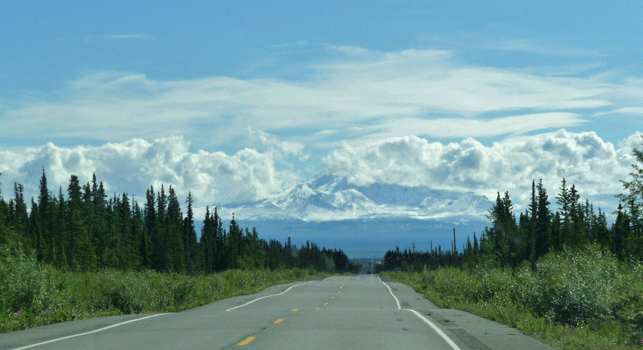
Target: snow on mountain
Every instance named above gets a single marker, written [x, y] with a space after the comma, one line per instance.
[328, 198]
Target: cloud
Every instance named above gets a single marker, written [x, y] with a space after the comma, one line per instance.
[356, 88]
[134, 165]
[633, 111]
[454, 127]
[217, 178]
[133, 36]
[584, 159]
[276, 146]
[541, 47]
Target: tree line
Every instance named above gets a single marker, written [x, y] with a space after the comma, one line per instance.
[85, 230]
[513, 239]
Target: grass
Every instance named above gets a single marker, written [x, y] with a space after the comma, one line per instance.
[574, 300]
[32, 294]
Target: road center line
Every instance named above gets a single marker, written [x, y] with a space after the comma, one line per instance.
[246, 341]
[446, 338]
[268, 296]
[390, 291]
[86, 333]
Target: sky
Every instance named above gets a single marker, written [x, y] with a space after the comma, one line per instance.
[239, 101]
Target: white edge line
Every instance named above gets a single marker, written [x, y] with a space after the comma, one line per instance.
[90, 332]
[390, 291]
[446, 338]
[268, 296]
[436, 329]
[327, 278]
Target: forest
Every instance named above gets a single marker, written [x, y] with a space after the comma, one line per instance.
[87, 231]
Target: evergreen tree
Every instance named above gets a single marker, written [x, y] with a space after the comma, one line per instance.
[150, 258]
[620, 232]
[174, 240]
[160, 243]
[189, 238]
[503, 235]
[80, 247]
[18, 215]
[543, 222]
[563, 200]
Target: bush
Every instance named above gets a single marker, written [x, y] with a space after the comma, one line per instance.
[577, 286]
[33, 294]
[25, 285]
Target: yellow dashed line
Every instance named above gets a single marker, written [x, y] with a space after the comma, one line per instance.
[325, 303]
[246, 341]
[280, 320]
[294, 310]
[332, 297]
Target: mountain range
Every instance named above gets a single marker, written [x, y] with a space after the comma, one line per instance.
[334, 198]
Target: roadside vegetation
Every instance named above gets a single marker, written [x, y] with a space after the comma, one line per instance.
[84, 255]
[35, 294]
[565, 277]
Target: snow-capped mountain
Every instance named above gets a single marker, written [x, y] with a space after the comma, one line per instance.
[328, 197]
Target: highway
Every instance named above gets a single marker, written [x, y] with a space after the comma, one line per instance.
[340, 312]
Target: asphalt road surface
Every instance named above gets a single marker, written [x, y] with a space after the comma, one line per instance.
[342, 312]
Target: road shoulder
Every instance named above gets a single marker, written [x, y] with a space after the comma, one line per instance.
[474, 332]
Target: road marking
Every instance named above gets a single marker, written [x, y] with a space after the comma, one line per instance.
[294, 310]
[280, 320]
[453, 345]
[269, 296]
[325, 303]
[246, 341]
[341, 287]
[90, 332]
[390, 291]
[327, 278]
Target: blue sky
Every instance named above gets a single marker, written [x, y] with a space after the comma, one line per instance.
[240, 100]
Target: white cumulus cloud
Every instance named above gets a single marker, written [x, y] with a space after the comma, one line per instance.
[584, 159]
[134, 165]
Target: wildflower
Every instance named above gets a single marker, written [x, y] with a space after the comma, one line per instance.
[47, 310]
[17, 313]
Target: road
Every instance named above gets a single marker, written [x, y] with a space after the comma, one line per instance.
[341, 312]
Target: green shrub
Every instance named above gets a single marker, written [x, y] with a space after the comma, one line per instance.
[577, 286]
[32, 294]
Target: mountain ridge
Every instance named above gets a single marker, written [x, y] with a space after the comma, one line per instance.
[331, 198]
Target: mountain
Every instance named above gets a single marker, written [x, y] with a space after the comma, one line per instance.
[332, 198]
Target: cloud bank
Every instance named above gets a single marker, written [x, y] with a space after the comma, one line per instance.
[216, 178]
[510, 165]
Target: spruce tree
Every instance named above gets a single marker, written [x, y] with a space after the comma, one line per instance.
[81, 249]
[189, 237]
[543, 222]
[173, 231]
[150, 259]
